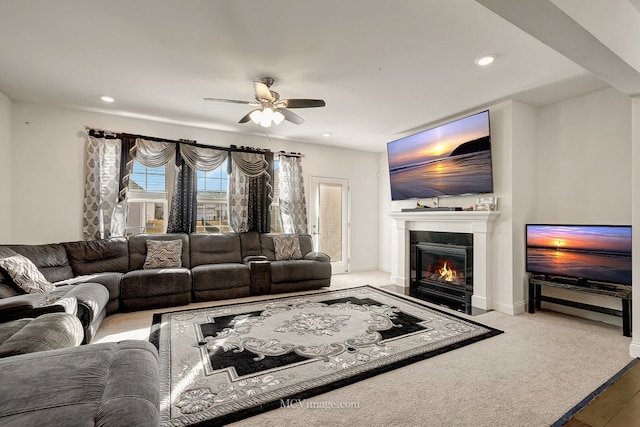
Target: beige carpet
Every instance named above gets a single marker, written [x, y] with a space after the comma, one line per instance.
[541, 367]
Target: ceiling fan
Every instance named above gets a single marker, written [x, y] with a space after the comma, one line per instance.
[271, 109]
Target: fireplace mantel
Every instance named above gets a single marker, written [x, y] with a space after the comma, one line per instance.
[479, 223]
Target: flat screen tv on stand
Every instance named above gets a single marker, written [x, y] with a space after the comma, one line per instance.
[587, 259]
[448, 160]
[580, 254]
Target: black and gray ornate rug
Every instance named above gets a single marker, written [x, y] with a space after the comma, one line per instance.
[220, 364]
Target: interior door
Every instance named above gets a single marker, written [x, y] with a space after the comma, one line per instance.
[330, 220]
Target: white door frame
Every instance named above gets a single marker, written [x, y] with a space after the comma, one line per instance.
[341, 266]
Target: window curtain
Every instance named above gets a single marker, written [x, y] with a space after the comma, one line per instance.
[250, 192]
[102, 172]
[202, 158]
[153, 154]
[127, 157]
[183, 210]
[184, 203]
[293, 205]
[150, 154]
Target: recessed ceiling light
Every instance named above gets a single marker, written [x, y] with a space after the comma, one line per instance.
[326, 134]
[107, 98]
[485, 60]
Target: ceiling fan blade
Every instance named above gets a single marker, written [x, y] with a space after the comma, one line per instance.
[303, 103]
[262, 91]
[232, 101]
[291, 116]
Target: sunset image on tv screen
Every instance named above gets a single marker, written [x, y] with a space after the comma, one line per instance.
[598, 253]
[451, 159]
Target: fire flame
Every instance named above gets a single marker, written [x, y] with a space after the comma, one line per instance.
[447, 273]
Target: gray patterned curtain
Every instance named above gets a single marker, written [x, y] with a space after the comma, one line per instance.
[249, 192]
[102, 170]
[293, 205]
[183, 210]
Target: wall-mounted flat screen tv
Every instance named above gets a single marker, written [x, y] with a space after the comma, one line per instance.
[599, 253]
[448, 160]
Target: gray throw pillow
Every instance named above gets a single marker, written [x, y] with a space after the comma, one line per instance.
[25, 274]
[163, 254]
[287, 247]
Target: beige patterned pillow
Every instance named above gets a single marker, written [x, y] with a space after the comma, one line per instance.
[286, 246]
[26, 275]
[163, 254]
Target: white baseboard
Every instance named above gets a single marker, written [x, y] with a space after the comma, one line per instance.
[634, 349]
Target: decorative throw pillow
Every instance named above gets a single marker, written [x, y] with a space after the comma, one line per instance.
[287, 246]
[26, 275]
[163, 254]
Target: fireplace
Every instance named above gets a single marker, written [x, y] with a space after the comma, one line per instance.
[478, 224]
[444, 274]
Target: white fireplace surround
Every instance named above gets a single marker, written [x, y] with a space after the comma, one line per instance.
[479, 223]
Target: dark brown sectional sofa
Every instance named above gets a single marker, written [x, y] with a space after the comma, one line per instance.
[120, 381]
[100, 277]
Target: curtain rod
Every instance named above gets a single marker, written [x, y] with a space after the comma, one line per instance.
[291, 154]
[231, 148]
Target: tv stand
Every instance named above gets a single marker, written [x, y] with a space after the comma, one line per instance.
[583, 286]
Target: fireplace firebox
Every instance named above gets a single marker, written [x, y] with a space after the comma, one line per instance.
[444, 274]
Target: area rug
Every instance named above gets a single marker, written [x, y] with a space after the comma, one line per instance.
[224, 363]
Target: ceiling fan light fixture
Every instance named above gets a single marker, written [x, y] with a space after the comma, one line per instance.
[277, 117]
[256, 116]
[267, 117]
[267, 114]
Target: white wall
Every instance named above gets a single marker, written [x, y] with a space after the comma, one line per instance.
[584, 160]
[634, 348]
[48, 172]
[5, 168]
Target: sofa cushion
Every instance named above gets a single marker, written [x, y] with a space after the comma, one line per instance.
[214, 248]
[286, 247]
[109, 280]
[163, 254]
[51, 260]
[220, 276]
[7, 289]
[46, 332]
[98, 256]
[25, 274]
[110, 384]
[268, 249]
[306, 244]
[151, 283]
[138, 248]
[266, 246]
[299, 270]
[250, 244]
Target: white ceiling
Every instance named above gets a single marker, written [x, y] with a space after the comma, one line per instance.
[384, 68]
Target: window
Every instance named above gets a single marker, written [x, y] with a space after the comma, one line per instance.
[212, 211]
[147, 201]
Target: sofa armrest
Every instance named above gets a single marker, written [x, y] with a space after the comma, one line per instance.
[33, 305]
[317, 256]
[252, 258]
